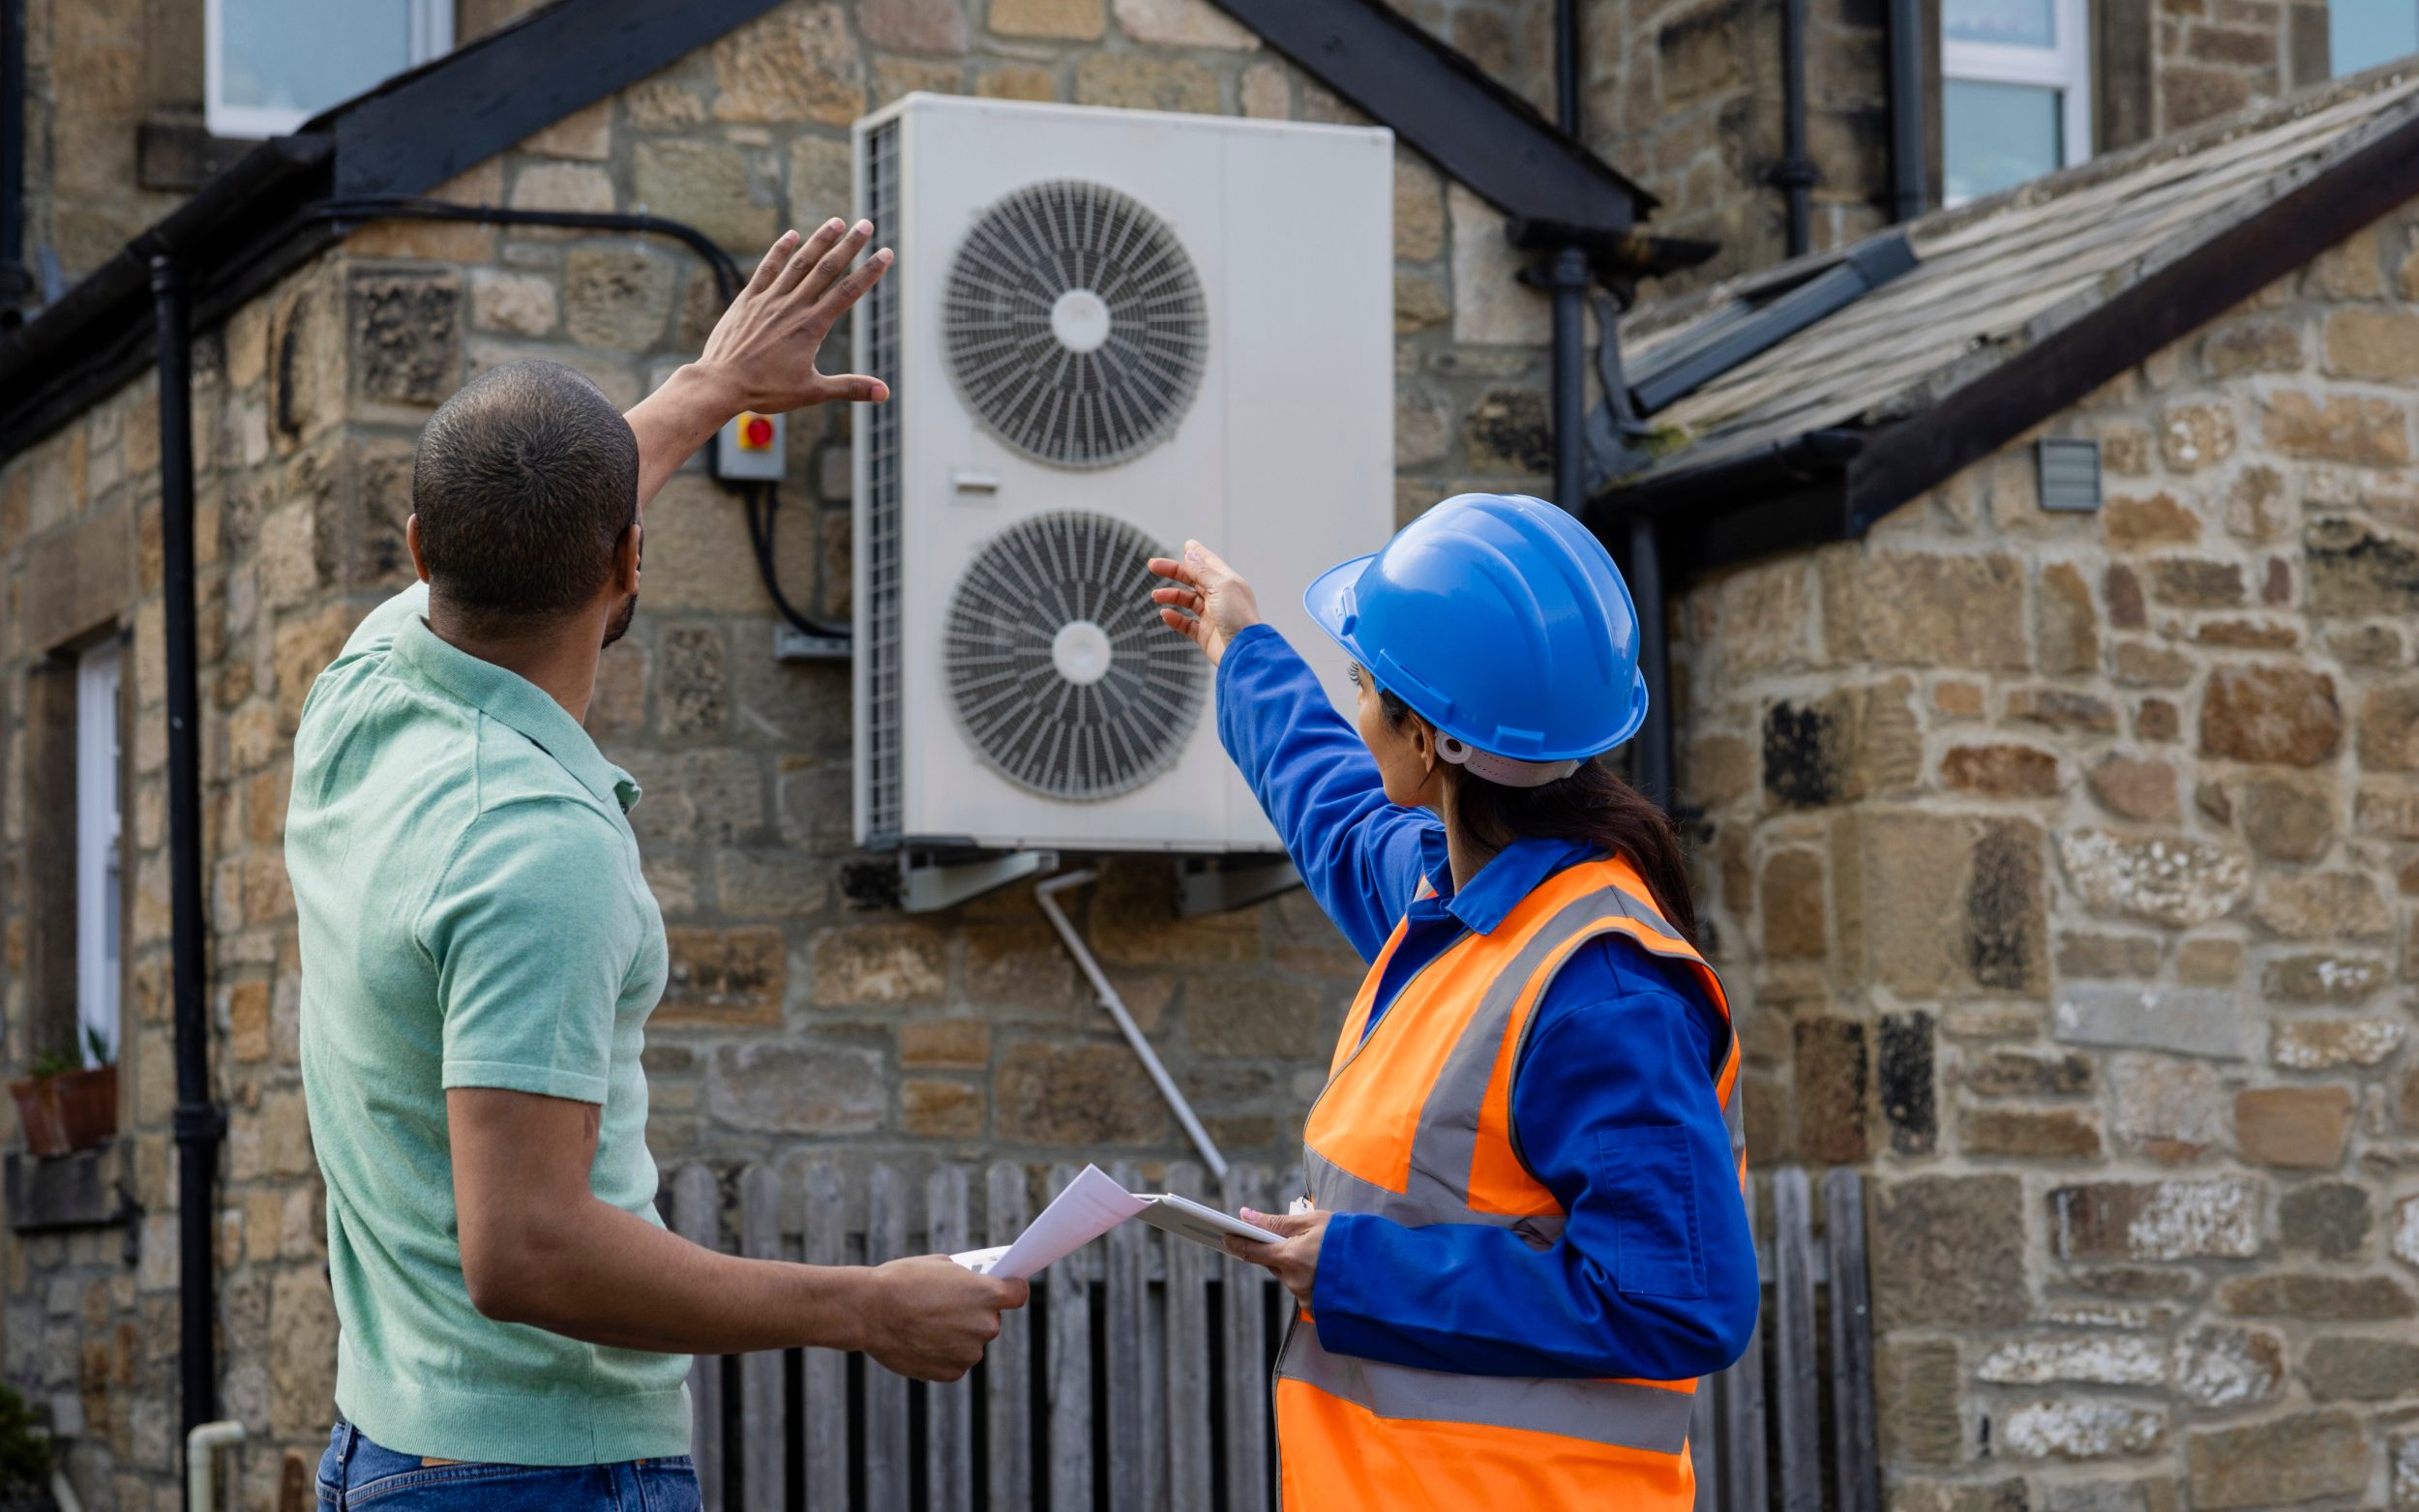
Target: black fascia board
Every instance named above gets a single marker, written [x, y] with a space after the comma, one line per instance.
[1439, 102]
[1925, 449]
[1774, 497]
[245, 230]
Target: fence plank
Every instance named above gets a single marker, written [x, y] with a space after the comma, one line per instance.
[948, 1409]
[1188, 1356]
[1701, 1446]
[886, 1469]
[1008, 1376]
[1853, 1449]
[1069, 1375]
[1746, 1470]
[697, 1203]
[1127, 1336]
[762, 1417]
[826, 1376]
[1247, 1373]
[1797, 1409]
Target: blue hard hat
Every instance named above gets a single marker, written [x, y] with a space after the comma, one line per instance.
[1502, 621]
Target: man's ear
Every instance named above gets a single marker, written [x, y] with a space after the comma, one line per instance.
[628, 553]
[411, 544]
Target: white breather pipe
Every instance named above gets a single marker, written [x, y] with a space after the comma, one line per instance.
[1046, 895]
[202, 1447]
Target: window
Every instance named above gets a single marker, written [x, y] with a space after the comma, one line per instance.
[2015, 92]
[2361, 34]
[96, 891]
[270, 65]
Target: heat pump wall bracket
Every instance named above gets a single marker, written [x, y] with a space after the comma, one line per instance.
[927, 886]
[1205, 884]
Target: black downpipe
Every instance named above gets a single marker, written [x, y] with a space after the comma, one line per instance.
[17, 285]
[1795, 172]
[1650, 768]
[1910, 174]
[198, 1122]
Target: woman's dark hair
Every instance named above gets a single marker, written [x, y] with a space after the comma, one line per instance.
[1594, 805]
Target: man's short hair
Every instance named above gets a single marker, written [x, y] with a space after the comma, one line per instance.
[523, 481]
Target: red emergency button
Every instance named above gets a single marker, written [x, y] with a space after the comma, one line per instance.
[756, 433]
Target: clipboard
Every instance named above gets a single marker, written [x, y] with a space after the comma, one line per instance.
[1187, 1219]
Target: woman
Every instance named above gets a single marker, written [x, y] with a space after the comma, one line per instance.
[1527, 1238]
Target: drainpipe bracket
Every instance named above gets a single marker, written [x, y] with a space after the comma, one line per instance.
[204, 1122]
[1793, 173]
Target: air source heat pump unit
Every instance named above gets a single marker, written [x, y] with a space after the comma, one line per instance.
[1107, 331]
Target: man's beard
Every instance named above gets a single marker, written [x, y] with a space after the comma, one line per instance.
[619, 625]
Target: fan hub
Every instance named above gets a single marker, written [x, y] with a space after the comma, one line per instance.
[1082, 653]
[1080, 320]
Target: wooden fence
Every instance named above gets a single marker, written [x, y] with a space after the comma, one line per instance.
[1138, 1379]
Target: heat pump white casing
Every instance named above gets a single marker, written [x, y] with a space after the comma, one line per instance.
[1239, 352]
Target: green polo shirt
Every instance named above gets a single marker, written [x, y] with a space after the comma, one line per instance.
[472, 914]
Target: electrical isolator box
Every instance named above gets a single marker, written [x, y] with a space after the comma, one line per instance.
[752, 448]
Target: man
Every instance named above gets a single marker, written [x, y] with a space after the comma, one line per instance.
[480, 954]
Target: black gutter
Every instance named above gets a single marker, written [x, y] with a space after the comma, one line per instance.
[1910, 172]
[198, 1122]
[1770, 498]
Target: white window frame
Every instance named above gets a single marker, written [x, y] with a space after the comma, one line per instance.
[431, 37]
[99, 879]
[2065, 67]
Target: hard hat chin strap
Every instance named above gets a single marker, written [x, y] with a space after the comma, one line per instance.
[1508, 771]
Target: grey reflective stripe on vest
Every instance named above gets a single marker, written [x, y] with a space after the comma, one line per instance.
[1619, 1413]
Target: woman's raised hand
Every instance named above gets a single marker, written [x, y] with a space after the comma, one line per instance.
[1204, 601]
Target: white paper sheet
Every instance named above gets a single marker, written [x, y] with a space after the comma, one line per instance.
[1091, 1207]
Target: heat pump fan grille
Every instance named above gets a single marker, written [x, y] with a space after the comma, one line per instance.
[1057, 664]
[1075, 324]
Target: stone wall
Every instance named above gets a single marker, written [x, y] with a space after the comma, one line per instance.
[805, 1011]
[2062, 866]
[2213, 56]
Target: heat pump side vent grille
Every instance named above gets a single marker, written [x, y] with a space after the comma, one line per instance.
[1075, 324]
[1060, 673]
[883, 774]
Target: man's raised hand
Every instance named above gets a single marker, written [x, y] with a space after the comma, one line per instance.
[766, 343]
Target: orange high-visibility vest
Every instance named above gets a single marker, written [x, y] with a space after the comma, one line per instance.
[1415, 1125]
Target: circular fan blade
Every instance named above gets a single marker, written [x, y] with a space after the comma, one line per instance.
[1075, 324]
[1058, 666]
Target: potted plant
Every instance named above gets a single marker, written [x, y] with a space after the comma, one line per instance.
[88, 1096]
[24, 1458]
[66, 1105]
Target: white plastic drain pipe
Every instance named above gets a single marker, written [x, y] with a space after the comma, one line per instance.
[1046, 895]
[201, 1448]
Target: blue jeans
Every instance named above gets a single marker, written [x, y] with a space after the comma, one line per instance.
[356, 1472]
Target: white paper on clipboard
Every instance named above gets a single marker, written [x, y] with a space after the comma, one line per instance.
[1093, 1204]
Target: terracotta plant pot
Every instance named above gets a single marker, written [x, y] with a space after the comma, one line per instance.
[37, 1114]
[88, 1106]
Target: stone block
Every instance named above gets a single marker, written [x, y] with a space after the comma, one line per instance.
[1857, 742]
[1023, 964]
[2327, 1044]
[2317, 1295]
[712, 185]
[1264, 96]
[878, 965]
[2289, 819]
[2389, 729]
[302, 1353]
[2322, 906]
[2000, 771]
[2087, 954]
[1916, 1389]
[2081, 1428]
[798, 63]
[1834, 1105]
[2300, 1458]
[914, 25]
[616, 296]
[2219, 1368]
[1142, 81]
[2012, 1073]
[2176, 1219]
[2195, 436]
[1909, 1102]
[2324, 978]
[520, 304]
[562, 186]
[1946, 905]
[1184, 23]
[944, 1042]
[2244, 346]
[2168, 879]
[2300, 1127]
[1081, 19]
[2379, 343]
[2069, 631]
[1253, 1016]
[2029, 1133]
[769, 882]
[586, 133]
[1955, 1253]
[1912, 1494]
[1491, 307]
[933, 1108]
[1508, 432]
[406, 344]
[76, 580]
[2061, 708]
[2136, 522]
[1926, 609]
[1083, 1096]
[2354, 568]
[1421, 303]
[2338, 427]
[2329, 1218]
[2101, 1359]
[1791, 904]
[776, 1087]
[2183, 582]
[1418, 209]
[691, 698]
[2404, 1240]
[726, 976]
[2170, 1110]
[2274, 715]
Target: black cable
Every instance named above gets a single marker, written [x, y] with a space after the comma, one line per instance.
[761, 503]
